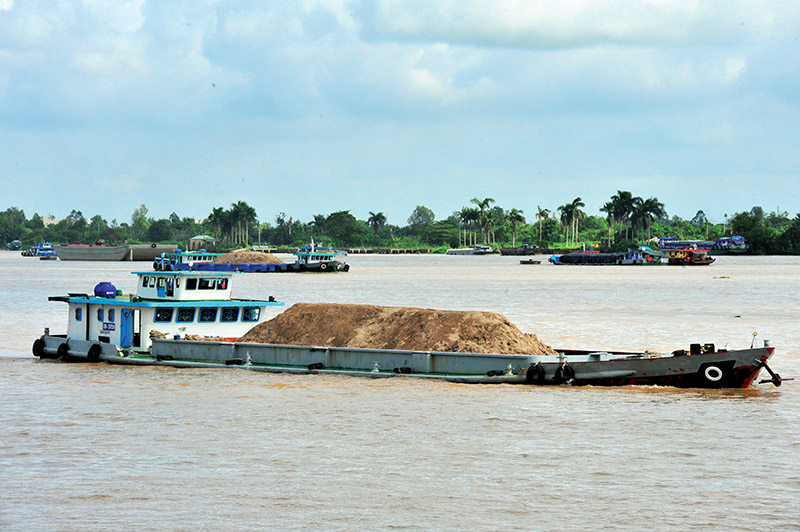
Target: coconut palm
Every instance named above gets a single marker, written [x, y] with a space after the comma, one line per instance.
[515, 218]
[470, 217]
[319, 224]
[376, 221]
[542, 215]
[247, 215]
[565, 212]
[623, 207]
[216, 219]
[577, 216]
[483, 206]
[652, 209]
[608, 208]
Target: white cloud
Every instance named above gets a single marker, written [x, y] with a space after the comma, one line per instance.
[577, 23]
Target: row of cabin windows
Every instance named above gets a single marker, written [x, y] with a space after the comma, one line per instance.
[100, 314]
[187, 314]
[192, 283]
[206, 314]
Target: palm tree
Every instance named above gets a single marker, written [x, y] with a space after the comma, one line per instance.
[247, 215]
[542, 215]
[514, 219]
[638, 217]
[470, 216]
[483, 206]
[577, 215]
[376, 221]
[623, 207]
[653, 209]
[566, 219]
[608, 208]
[319, 224]
[216, 219]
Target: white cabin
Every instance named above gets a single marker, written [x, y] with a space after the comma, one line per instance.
[168, 303]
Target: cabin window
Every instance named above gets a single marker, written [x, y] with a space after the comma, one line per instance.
[144, 281]
[222, 284]
[185, 314]
[99, 314]
[229, 314]
[152, 282]
[111, 314]
[78, 313]
[161, 282]
[207, 284]
[208, 314]
[191, 283]
[177, 282]
[251, 313]
[163, 314]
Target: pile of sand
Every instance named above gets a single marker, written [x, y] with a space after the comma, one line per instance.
[246, 256]
[368, 326]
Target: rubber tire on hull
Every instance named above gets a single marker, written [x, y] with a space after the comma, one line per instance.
[62, 351]
[94, 353]
[535, 374]
[323, 266]
[564, 373]
[38, 348]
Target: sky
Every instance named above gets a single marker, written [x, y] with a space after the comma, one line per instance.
[314, 106]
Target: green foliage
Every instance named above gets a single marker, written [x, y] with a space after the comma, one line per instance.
[443, 232]
[760, 236]
[627, 220]
[421, 217]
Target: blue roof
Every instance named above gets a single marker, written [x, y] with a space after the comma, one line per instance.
[190, 273]
[126, 302]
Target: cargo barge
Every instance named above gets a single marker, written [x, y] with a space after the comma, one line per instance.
[188, 319]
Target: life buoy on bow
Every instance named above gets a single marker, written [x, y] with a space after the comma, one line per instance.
[713, 373]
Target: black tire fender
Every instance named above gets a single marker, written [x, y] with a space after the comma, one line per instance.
[564, 373]
[38, 348]
[323, 266]
[62, 351]
[535, 374]
[94, 353]
[153, 245]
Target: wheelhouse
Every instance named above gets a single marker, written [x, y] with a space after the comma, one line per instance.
[166, 304]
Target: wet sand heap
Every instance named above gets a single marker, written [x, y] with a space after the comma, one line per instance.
[413, 329]
[246, 256]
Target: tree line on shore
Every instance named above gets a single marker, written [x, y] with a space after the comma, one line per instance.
[625, 219]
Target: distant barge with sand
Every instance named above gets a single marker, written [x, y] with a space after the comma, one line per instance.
[311, 258]
[188, 319]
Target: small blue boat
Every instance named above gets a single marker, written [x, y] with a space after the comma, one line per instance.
[39, 249]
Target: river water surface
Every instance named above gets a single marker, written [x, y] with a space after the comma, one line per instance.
[100, 447]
